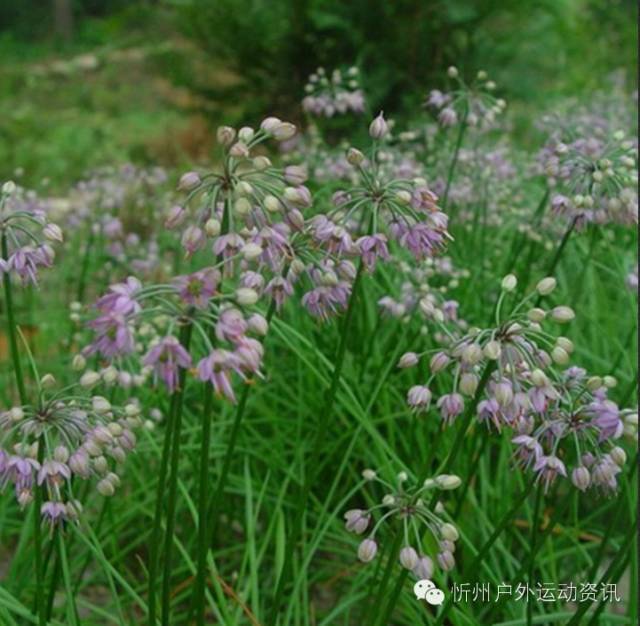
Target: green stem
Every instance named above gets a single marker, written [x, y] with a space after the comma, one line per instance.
[321, 432]
[72, 611]
[11, 328]
[474, 568]
[201, 573]
[454, 160]
[185, 338]
[533, 550]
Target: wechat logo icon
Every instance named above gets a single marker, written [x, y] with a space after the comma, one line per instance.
[426, 590]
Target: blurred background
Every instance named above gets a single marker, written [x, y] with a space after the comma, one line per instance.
[88, 82]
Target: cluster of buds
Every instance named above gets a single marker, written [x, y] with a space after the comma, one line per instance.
[124, 328]
[248, 202]
[595, 178]
[473, 104]
[68, 435]
[26, 236]
[411, 508]
[337, 94]
[424, 289]
[368, 213]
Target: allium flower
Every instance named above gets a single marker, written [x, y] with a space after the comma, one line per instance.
[332, 95]
[166, 357]
[474, 103]
[80, 443]
[408, 507]
[196, 289]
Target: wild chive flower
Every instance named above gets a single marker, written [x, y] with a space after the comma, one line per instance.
[472, 102]
[408, 506]
[594, 179]
[26, 234]
[332, 95]
[84, 437]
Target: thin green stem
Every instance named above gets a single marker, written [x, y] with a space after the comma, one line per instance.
[185, 338]
[11, 325]
[37, 544]
[201, 573]
[72, 611]
[533, 547]
[454, 160]
[321, 432]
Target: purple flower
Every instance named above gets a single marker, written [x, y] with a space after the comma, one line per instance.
[121, 298]
[607, 418]
[54, 473]
[357, 521]
[166, 357]
[53, 512]
[279, 289]
[19, 470]
[371, 248]
[419, 398]
[324, 301]
[450, 405]
[231, 326]
[548, 467]
[216, 368]
[196, 289]
[114, 336]
[529, 449]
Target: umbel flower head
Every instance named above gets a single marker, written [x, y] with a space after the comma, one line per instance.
[558, 416]
[408, 507]
[594, 179]
[472, 103]
[136, 326]
[334, 94]
[375, 210]
[26, 234]
[69, 436]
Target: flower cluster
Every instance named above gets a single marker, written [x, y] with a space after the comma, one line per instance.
[68, 436]
[367, 214]
[136, 321]
[337, 94]
[408, 506]
[594, 178]
[473, 104]
[517, 362]
[26, 235]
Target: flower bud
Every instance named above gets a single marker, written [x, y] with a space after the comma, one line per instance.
[509, 282]
[369, 474]
[356, 521]
[379, 127]
[403, 196]
[452, 72]
[242, 206]
[492, 350]
[594, 382]
[562, 314]
[565, 344]
[272, 204]
[53, 232]
[212, 227]
[295, 175]
[609, 381]
[175, 216]
[239, 150]
[261, 163]
[408, 557]
[618, 455]
[449, 532]
[105, 488]
[354, 157]
[284, 131]
[100, 405]
[448, 482]
[189, 181]
[546, 286]
[16, 414]
[468, 383]
[471, 354]
[258, 324]
[581, 478]
[438, 362]
[8, 188]
[100, 464]
[408, 359]
[48, 381]
[246, 296]
[246, 134]
[367, 550]
[89, 379]
[539, 378]
[225, 135]
[251, 251]
[78, 363]
[560, 355]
